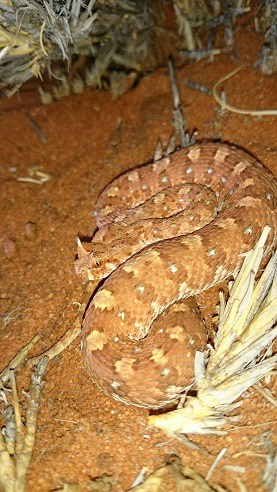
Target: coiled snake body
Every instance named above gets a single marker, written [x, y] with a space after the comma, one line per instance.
[167, 231]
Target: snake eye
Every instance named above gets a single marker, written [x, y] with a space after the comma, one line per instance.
[97, 264]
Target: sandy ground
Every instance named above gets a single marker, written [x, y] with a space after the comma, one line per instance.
[91, 138]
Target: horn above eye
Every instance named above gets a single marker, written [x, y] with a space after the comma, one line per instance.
[82, 253]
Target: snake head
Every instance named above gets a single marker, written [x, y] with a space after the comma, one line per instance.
[90, 265]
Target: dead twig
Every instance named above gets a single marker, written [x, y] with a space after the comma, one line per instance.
[178, 116]
[16, 447]
[37, 128]
[18, 359]
[24, 458]
[64, 342]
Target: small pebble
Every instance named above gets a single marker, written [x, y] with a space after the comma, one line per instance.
[9, 247]
[30, 230]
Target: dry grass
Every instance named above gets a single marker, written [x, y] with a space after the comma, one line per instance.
[33, 34]
[246, 328]
[17, 440]
[125, 37]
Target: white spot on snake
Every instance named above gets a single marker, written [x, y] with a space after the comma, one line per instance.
[165, 179]
[248, 230]
[188, 170]
[268, 196]
[121, 315]
[154, 304]
[231, 192]
[209, 170]
[223, 179]
[141, 288]
[173, 268]
[165, 207]
[191, 341]
[137, 350]
[208, 202]
[155, 231]
[191, 217]
[132, 190]
[166, 371]
[211, 252]
[144, 187]
[116, 339]
[115, 384]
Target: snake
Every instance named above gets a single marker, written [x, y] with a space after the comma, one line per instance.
[167, 231]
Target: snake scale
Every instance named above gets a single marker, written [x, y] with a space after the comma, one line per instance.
[167, 231]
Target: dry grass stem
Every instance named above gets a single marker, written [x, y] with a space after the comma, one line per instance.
[224, 105]
[24, 457]
[177, 474]
[16, 448]
[36, 176]
[124, 36]
[214, 464]
[7, 468]
[266, 394]
[18, 359]
[65, 340]
[34, 34]
[17, 414]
